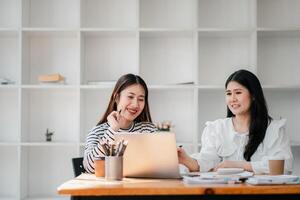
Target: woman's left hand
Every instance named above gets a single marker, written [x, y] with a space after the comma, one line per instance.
[234, 164]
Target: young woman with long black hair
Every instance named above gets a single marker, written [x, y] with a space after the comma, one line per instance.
[247, 138]
[128, 111]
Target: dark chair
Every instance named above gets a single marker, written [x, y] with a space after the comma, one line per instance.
[77, 169]
[78, 166]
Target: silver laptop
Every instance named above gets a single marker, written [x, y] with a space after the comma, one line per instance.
[150, 155]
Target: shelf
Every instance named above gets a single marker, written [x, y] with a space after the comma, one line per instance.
[278, 33]
[9, 14]
[183, 49]
[9, 87]
[109, 13]
[9, 144]
[44, 86]
[2, 197]
[50, 144]
[233, 53]
[278, 13]
[278, 56]
[50, 53]
[285, 104]
[211, 87]
[168, 14]
[226, 14]
[107, 57]
[104, 32]
[171, 86]
[54, 109]
[99, 85]
[42, 171]
[167, 60]
[164, 104]
[8, 32]
[226, 33]
[211, 106]
[93, 106]
[9, 56]
[37, 30]
[9, 106]
[165, 32]
[51, 13]
[9, 172]
[281, 87]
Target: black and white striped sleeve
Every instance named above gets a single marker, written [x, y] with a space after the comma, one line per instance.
[145, 127]
[93, 148]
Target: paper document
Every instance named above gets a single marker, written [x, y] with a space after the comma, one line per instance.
[273, 180]
[214, 178]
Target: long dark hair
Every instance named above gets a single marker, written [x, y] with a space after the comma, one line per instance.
[123, 82]
[259, 117]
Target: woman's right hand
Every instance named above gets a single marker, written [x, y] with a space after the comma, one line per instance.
[113, 120]
[182, 155]
[185, 159]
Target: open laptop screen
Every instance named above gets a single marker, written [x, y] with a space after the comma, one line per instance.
[150, 155]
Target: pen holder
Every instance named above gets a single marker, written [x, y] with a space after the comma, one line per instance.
[114, 167]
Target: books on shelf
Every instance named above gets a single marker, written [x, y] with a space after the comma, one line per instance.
[51, 78]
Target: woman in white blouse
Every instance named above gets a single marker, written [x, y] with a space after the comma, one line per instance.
[247, 138]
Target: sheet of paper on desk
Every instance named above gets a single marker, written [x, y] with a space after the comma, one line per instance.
[273, 180]
[214, 178]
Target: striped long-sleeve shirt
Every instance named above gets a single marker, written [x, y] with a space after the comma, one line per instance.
[104, 133]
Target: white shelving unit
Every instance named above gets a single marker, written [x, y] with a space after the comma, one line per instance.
[184, 49]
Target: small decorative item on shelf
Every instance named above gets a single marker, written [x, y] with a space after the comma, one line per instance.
[5, 81]
[51, 78]
[49, 135]
[164, 126]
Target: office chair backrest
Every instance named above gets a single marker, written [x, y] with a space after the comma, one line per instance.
[78, 166]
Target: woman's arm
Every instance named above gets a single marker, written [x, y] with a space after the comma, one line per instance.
[99, 134]
[186, 160]
[208, 157]
[235, 164]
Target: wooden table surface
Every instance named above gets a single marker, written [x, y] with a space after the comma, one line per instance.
[87, 185]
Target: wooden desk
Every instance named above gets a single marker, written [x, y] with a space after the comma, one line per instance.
[87, 186]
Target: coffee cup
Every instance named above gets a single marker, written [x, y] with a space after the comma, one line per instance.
[99, 166]
[276, 166]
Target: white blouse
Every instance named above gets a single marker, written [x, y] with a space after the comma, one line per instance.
[221, 142]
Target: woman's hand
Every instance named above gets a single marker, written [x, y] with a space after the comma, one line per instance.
[113, 120]
[185, 159]
[234, 164]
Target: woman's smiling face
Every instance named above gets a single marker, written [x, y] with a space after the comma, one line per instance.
[238, 98]
[131, 101]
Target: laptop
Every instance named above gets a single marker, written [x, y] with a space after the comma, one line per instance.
[150, 155]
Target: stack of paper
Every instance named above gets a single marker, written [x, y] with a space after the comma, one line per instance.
[215, 178]
[278, 179]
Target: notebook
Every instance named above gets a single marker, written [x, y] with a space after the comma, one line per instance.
[150, 155]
